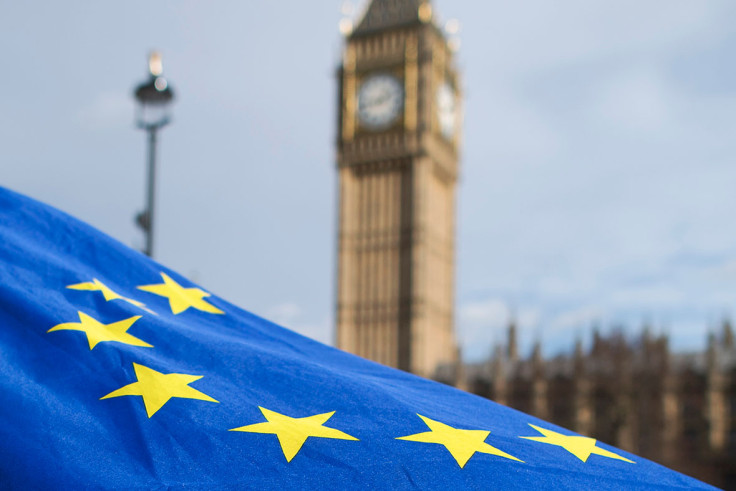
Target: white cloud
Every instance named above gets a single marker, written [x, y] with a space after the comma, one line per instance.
[484, 323]
[492, 311]
[574, 320]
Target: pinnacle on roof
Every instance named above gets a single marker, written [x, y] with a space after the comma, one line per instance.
[383, 14]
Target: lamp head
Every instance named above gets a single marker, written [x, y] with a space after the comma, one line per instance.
[154, 96]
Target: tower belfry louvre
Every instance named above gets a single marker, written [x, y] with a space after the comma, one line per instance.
[397, 162]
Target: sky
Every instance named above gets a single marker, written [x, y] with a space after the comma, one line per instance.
[597, 175]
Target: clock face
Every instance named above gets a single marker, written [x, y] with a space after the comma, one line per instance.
[446, 110]
[380, 100]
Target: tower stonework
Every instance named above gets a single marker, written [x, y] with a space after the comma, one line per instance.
[397, 163]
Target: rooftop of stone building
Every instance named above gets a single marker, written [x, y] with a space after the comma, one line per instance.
[610, 354]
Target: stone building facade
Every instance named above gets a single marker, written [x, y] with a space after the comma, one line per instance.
[678, 409]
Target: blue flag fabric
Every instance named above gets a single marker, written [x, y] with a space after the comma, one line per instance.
[117, 373]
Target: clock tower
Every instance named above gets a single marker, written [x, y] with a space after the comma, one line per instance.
[397, 164]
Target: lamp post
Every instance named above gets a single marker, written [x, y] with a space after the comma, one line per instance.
[154, 100]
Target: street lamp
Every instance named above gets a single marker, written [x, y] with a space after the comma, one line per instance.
[154, 100]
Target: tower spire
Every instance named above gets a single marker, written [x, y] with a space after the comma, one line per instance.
[512, 348]
[385, 14]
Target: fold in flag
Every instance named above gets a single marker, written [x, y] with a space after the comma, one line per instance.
[116, 372]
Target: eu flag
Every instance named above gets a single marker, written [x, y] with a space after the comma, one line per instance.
[118, 373]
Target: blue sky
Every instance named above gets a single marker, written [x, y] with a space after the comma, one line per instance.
[597, 173]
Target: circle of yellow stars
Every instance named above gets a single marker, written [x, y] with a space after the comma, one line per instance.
[156, 389]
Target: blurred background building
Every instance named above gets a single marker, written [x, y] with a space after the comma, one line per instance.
[398, 167]
[397, 163]
[678, 409]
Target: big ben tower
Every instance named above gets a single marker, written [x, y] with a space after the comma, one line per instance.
[397, 161]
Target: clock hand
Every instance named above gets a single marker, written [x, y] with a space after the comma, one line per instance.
[378, 101]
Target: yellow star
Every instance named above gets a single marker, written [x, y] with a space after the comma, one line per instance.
[157, 388]
[293, 432]
[98, 332]
[97, 286]
[462, 444]
[180, 298]
[580, 446]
